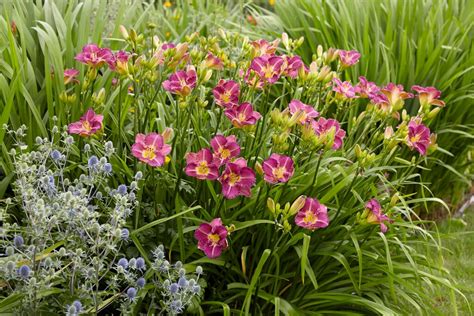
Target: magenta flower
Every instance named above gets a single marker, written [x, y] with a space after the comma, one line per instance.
[263, 47]
[348, 57]
[418, 137]
[94, 56]
[213, 62]
[225, 148]
[70, 75]
[226, 93]
[242, 115]
[267, 68]
[396, 95]
[212, 238]
[313, 215]
[166, 46]
[120, 62]
[181, 82]
[237, 179]
[428, 96]
[89, 124]
[292, 66]
[151, 149]
[366, 89]
[344, 90]
[201, 165]
[308, 112]
[278, 168]
[330, 131]
[375, 215]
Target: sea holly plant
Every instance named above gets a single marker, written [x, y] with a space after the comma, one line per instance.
[268, 172]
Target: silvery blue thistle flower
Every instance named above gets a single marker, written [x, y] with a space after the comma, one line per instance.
[131, 293]
[140, 264]
[132, 263]
[108, 168]
[182, 282]
[177, 306]
[124, 234]
[56, 155]
[18, 241]
[24, 271]
[123, 262]
[141, 282]
[138, 175]
[122, 189]
[196, 289]
[199, 270]
[174, 287]
[93, 161]
[78, 305]
[87, 148]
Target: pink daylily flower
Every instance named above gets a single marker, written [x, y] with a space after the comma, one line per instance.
[418, 137]
[263, 47]
[213, 62]
[267, 68]
[94, 56]
[344, 90]
[70, 75]
[121, 61]
[212, 238]
[151, 149]
[375, 215]
[428, 96]
[380, 101]
[348, 57]
[89, 124]
[323, 127]
[237, 179]
[181, 82]
[242, 115]
[226, 93]
[308, 112]
[366, 89]
[201, 165]
[225, 148]
[292, 66]
[313, 215]
[278, 168]
[396, 95]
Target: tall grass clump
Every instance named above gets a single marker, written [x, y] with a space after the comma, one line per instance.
[232, 178]
[408, 42]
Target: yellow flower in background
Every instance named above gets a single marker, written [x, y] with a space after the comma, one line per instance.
[271, 2]
[167, 4]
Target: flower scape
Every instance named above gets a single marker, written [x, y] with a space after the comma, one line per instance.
[218, 175]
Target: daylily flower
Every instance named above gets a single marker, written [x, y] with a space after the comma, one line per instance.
[418, 137]
[344, 90]
[267, 68]
[329, 131]
[226, 93]
[428, 96]
[396, 95]
[95, 56]
[308, 113]
[89, 124]
[313, 215]
[278, 168]
[225, 148]
[366, 89]
[70, 75]
[121, 62]
[292, 66]
[375, 215]
[201, 165]
[212, 238]
[263, 47]
[242, 115]
[380, 101]
[213, 62]
[348, 57]
[237, 179]
[151, 149]
[181, 82]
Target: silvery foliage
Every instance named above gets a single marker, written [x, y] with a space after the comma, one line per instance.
[71, 228]
[177, 286]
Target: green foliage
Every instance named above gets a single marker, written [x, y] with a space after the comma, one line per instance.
[409, 42]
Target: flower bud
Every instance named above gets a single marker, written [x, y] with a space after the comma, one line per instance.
[297, 205]
[124, 32]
